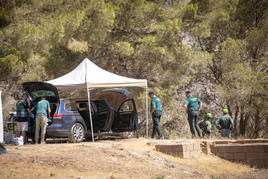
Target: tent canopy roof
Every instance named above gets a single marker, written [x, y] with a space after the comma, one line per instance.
[87, 73]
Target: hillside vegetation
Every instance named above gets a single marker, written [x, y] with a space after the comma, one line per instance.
[219, 49]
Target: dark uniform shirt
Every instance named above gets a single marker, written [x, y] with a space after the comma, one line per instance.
[205, 124]
[225, 122]
[22, 113]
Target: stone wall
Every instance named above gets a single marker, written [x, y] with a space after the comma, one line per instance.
[248, 151]
[185, 150]
[255, 154]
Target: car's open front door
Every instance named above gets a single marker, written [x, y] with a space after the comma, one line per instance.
[126, 118]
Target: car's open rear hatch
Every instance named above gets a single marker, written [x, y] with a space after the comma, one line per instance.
[41, 89]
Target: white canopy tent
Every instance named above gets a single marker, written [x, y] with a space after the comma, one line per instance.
[88, 75]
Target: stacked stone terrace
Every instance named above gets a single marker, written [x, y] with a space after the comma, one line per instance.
[181, 149]
[252, 152]
[249, 151]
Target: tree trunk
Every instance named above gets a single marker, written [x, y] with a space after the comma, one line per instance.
[242, 124]
[257, 124]
[236, 131]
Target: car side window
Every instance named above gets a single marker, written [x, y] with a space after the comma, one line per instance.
[127, 106]
[70, 107]
[101, 106]
[83, 106]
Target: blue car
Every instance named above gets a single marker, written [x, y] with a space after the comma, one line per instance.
[112, 112]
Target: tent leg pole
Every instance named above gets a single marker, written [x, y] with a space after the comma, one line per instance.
[89, 109]
[147, 121]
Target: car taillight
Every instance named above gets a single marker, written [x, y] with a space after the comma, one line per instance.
[57, 116]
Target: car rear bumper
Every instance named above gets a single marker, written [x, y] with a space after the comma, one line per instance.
[57, 130]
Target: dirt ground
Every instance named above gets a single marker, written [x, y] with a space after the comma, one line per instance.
[117, 158]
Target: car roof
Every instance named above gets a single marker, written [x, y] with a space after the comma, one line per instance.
[78, 99]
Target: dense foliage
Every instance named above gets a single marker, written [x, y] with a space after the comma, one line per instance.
[217, 48]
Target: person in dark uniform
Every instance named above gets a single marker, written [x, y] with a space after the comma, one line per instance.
[225, 124]
[205, 125]
[156, 113]
[23, 115]
[192, 106]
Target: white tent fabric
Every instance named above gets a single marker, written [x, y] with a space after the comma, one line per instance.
[88, 75]
[95, 77]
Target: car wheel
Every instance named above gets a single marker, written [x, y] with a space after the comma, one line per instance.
[77, 133]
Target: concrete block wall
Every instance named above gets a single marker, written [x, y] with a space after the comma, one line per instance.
[241, 141]
[255, 154]
[183, 150]
[252, 152]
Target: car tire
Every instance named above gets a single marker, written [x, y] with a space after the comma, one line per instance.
[77, 133]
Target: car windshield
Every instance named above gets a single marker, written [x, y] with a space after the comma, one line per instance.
[39, 93]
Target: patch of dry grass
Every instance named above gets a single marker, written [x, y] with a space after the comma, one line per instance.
[85, 160]
[211, 165]
[132, 158]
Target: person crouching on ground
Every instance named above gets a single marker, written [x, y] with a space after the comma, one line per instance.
[42, 111]
[225, 124]
[192, 106]
[23, 115]
[156, 112]
[205, 125]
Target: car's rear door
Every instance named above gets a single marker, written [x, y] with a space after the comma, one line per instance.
[126, 118]
[104, 116]
[82, 107]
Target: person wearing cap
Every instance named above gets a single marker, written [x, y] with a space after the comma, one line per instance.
[156, 113]
[192, 106]
[205, 125]
[225, 124]
[23, 113]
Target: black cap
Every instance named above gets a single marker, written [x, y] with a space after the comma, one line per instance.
[151, 92]
[188, 92]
